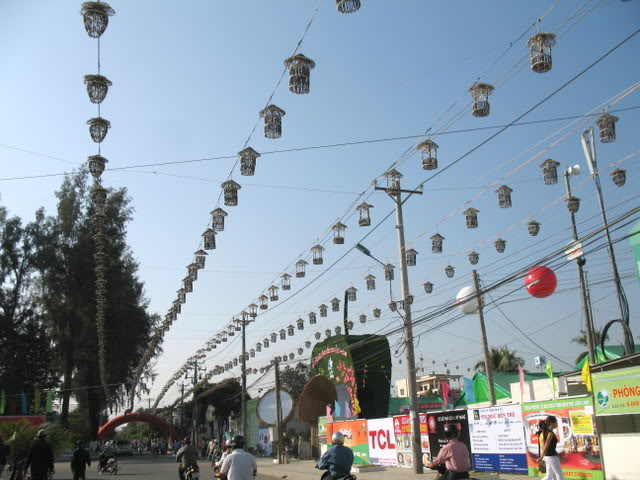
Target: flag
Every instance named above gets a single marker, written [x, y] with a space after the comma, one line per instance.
[49, 403]
[445, 388]
[24, 403]
[548, 369]
[468, 391]
[586, 376]
[522, 381]
[3, 402]
[36, 401]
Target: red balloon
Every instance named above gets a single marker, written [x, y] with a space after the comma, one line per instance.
[540, 281]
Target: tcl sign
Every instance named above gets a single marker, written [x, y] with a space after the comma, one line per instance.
[381, 439]
[382, 448]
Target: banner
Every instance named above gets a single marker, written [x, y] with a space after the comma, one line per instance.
[497, 439]
[437, 421]
[617, 392]
[578, 447]
[382, 447]
[403, 432]
[356, 438]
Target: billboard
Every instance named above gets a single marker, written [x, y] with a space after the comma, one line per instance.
[356, 438]
[403, 432]
[617, 392]
[382, 446]
[438, 420]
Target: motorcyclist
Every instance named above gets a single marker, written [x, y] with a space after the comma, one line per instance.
[452, 462]
[338, 460]
[187, 456]
[106, 453]
[239, 465]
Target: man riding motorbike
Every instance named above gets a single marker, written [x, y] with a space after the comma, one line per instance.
[107, 453]
[338, 460]
[452, 462]
[187, 457]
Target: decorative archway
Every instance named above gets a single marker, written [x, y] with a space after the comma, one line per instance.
[108, 428]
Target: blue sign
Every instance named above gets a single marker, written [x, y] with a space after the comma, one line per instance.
[500, 462]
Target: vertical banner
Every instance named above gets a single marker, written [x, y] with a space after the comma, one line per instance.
[403, 432]
[497, 439]
[437, 421]
[382, 447]
[578, 446]
[356, 438]
[322, 434]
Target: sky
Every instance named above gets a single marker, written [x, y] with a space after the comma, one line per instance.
[188, 82]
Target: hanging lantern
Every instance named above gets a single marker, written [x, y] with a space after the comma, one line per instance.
[283, 334]
[248, 158]
[291, 330]
[253, 310]
[272, 121]
[429, 154]
[411, 257]
[500, 245]
[192, 269]
[99, 196]
[223, 336]
[362, 318]
[258, 347]
[534, 228]
[312, 317]
[376, 313]
[188, 284]
[327, 333]
[352, 293]
[480, 93]
[230, 189]
[365, 218]
[348, 6]
[300, 266]
[409, 300]
[449, 271]
[96, 17]
[273, 293]
[573, 204]
[619, 177]
[393, 181]
[318, 335]
[428, 287]
[97, 165]
[317, 254]
[299, 72]
[436, 243]
[200, 258]
[252, 353]
[323, 310]
[393, 306]
[338, 233]
[371, 282]
[245, 317]
[209, 239]
[540, 51]
[349, 325]
[607, 125]
[504, 196]
[307, 344]
[182, 295]
[97, 87]
[300, 350]
[474, 257]
[177, 307]
[235, 362]
[335, 305]
[388, 272]
[98, 128]
[286, 281]
[217, 219]
[540, 281]
[338, 330]
[263, 301]
[550, 171]
[231, 330]
[266, 341]
[291, 356]
[471, 217]
[300, 324]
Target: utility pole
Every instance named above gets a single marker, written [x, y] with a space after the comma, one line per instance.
[485, 347]
[580, 262]
[243, 410]
[182, 407]
[279, 450]
[394, 191]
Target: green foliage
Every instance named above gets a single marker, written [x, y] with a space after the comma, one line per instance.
[20, 435]
[294, 379]
[502, 360]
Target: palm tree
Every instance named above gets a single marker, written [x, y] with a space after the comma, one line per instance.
[582, 340]
[502, 360]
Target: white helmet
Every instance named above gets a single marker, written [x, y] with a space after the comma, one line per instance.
[337, 438]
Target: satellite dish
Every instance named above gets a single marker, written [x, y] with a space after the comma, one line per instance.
[267, 406]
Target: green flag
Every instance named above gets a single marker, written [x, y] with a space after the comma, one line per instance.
[36, 401]
[49, 404]
[3, 402]
[548, 369]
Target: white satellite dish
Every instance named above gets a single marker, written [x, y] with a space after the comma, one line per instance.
[267, 406]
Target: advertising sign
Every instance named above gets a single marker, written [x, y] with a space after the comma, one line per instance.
[617, 392]
[403, 432]
[497, 439]
[578, 447]
[382, 446]
[437, 421]
[356, 438]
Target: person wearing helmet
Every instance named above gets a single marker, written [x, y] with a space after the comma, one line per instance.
[338, 460]
[187, 457]
[240, 464]
[40, 457]
[453, 461]
[80, 460]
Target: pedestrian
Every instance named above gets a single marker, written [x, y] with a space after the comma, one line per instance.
[40, 457]
[240, 464]
[80, 460]
[286, 446]
[5, 451]
[548, 439]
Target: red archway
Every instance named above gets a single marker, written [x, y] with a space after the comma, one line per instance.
[108, 428]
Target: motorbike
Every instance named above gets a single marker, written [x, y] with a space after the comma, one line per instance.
[326, 473]
[192, 473]
[110, 466]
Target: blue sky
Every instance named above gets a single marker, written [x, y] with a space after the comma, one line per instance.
[188, 82]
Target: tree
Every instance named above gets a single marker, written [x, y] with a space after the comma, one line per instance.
[502, 360]
[294, 379]
[582, 340]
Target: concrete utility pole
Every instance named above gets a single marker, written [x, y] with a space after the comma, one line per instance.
[485, 347]
[394, 191]
[243, 412]
[182, 407]
[279, 449]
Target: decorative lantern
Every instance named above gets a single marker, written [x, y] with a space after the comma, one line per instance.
[223, 336]
[252, 353]
[409, 300]
[96, 166]
[393, 181]
[573, 204]
[338, 330]
[349, 325]
[362, 318]
[428, 287]
[471, 216]
[272, 121]
[376, 313]
[500, 245]
[363, 210]
[607, 125]
[327, 333]
[317, 254]
[474, 257]
[352, 294]
[230, 189]
[192, 269]
[371, 282]
[619, 177]
[235, 362]
[450, 271]
[411, 257]
[96, 17]
[429, 154]
[217, 219]
[480, 93]
[323, 310]
[300, 324]
[307, 344]
[291, 356]
[231, 330]
[338, 233]
[98, 128]
[209, 239]
[263, 299]
[300, 266]
[286, 281]
[540, 281]
[318, 335]
[248, 158]
[300, 350]
[504, 196]
[283, 334]
[97, 87]
[534, 228]
[273, 293]
[258, 347]
[253, 310]
[540, 51]
[265, 342]
[177, 306]
[312, 317]
[550, 171]
[436, 243]
[393, 306]
[299, 72]
[291, 330]
[388, 272]
[348, 6]
[99, 196]
[188, 284]
[182, 295]
[200, 258]
[335, 305]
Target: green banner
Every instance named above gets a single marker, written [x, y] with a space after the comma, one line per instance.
[617, 392]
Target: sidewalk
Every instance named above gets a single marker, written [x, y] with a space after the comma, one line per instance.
[304, 470]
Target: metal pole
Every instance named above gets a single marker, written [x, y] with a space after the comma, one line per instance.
[346, 312]
[483, 331]
[279, 450]
[182, 408]
[243, 412]
[194, 433]
[586, 308]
